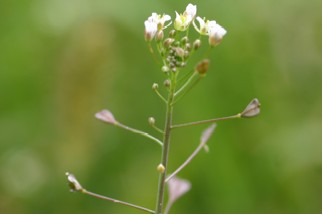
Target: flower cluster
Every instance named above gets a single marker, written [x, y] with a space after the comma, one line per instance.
[176, 49]
[156, 23]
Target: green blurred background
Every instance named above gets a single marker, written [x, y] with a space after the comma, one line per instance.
[61, 61]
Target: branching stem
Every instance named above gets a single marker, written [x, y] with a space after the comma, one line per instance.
[164, 160]
[160, 96]
[188, 160]
[145, 134]
[116, 201]
[207, 121]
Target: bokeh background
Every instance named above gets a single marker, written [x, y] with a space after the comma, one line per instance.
[61, 61]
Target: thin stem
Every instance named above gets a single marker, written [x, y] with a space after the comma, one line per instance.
[185, 76]
[207, 121]
[116, 201]
[189, 159]
[151, 50]
[160, 96]
[186, 84]
[145, 134]
[188, 89]
[168, 124]
[158, 129]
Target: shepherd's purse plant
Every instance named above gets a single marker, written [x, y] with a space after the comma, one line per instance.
[175, 48]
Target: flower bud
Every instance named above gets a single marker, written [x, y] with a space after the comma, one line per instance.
[253, 109]
[172, 33]
[167, 83]
[184, 40]
[188, 46]
[159, 35]
[155, 86]
[151, 121]
[202, 67]
[165, 69]
[161, 168]
[197, 44]
[168, 42]
[179, 52]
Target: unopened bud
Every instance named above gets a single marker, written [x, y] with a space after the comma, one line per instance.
[160, 35]
[161, 168]
[167, 83]
[179, 52]
[197, 44]
[253, 109]
[168, 42]
[155, 86]
[151, 121]
[165, 69]
[172, 33]
[184, 40]
[202, 67]
[188, 46]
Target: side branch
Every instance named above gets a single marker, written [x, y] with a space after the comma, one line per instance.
[204, 138]
[207, 121]
[77, 187]
[117, 201]
[145, 134]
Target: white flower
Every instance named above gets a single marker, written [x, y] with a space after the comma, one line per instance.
[216, 34]
[190, 11]
[155, 23]
[160, 20]
[204, 26]
[150, 29]
[182, 21]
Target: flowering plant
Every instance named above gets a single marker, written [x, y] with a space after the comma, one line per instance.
[175, 51]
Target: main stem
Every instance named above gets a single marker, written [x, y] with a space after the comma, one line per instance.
[168, 125]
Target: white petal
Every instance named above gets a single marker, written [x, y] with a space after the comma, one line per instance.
[191, 10]
[166, 17]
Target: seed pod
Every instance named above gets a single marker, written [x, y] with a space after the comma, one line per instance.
[253, 109]
[202, 67]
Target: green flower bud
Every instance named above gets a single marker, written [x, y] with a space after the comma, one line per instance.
[151, 121]
[172, 33]
[197, 44]
[161, 168]
[155, 86]
[184, 40]
[165, 69]
[167, 83]
[168, 42]
[160, 36]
